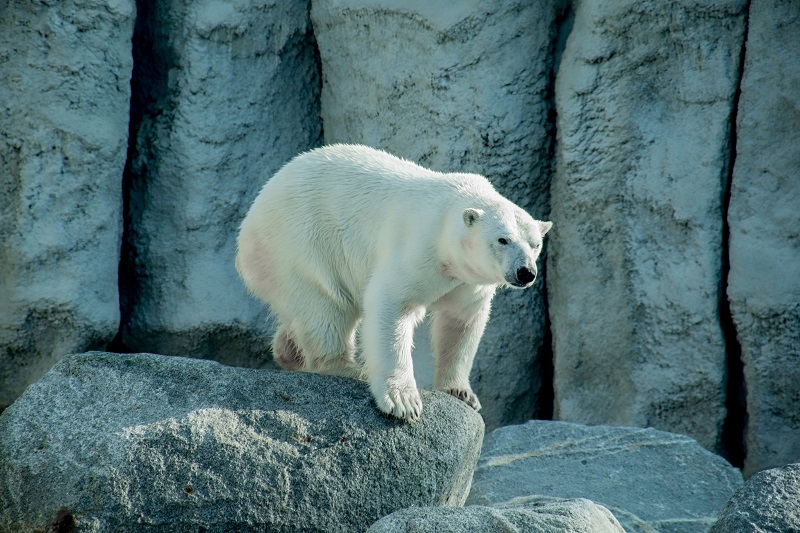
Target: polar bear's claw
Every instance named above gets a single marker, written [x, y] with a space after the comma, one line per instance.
[403, 403]
[466, 396]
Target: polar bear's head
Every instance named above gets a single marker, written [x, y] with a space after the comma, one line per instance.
[502, 243]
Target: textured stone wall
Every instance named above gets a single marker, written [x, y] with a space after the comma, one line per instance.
[764, 219]
[661, 138]
[644, 96]
[65, 72]
[228, 92]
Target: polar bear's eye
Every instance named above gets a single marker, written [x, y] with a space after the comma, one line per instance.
[502, 240]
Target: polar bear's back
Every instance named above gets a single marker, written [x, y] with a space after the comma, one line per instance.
[345, 174]
[358, 189]
[355, 171]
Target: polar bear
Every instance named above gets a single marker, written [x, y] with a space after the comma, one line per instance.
[346, 234]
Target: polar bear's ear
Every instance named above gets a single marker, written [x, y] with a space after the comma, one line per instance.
[544, 227]
[471, 215]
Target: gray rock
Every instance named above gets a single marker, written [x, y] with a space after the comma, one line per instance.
[768, 501]
[764, 221]
[555, 516]
[64, 106]
[230, 92]
[651, 480]
[644, 95]
[461, 89]
[123, 443]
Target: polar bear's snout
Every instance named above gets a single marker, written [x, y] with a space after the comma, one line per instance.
[522, 278]
[525, 276]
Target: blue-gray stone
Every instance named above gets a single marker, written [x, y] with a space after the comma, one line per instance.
[651, 480]
[124, 443]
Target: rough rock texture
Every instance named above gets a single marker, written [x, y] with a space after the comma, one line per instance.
[461, 89]
[227, 93]
[651, 480]
[644, 96]
[155, 443]
[768, 501]
[764, 221]
[65, 72]
[556, 516]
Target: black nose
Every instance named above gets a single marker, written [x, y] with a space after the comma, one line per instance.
[525, 276]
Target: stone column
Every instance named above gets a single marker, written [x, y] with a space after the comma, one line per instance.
[644, 97]
[764, 221]
[65, 70]
[226, 94]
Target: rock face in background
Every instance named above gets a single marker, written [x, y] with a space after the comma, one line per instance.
[651, 480]
[764, 220]
[768, 501]
[223, 93]
[557, 516]
[462, 89]
[64, 99]
[228, 94]
[644, 97]
[144, 442]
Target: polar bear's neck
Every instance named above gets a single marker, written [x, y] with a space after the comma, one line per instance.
[454, 248]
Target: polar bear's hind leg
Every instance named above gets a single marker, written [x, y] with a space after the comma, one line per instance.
[343, 363]
[328, 337]
[286, 351]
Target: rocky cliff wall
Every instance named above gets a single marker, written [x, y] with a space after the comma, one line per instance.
[225, 94]
[644, 97]
[65, 93]
[660, 138]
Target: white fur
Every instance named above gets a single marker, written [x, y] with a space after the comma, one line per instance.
[347, 232]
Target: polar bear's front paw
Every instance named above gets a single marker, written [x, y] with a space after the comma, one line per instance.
[400, 400]
[466, 396]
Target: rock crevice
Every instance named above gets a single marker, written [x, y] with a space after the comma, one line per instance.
[733, 427]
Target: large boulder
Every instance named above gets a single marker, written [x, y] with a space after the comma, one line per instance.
[124, 443]
[768, 501]
[462, 89]
[644, 96]
[64, 106]
[764, 217]
[651, 480]
[548, 516]
[226, 94]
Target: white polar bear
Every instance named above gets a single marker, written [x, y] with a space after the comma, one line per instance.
[344, 232]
